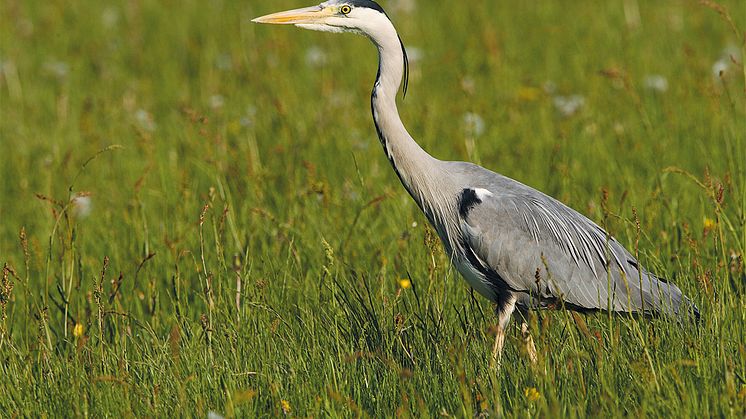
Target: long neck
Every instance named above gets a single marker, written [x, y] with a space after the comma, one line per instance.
[416, 169]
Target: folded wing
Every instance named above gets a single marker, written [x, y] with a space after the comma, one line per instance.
[541, 247]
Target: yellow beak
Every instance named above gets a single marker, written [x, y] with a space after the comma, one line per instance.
[296, 16]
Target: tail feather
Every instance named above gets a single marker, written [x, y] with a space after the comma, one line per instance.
[666, 298]
[687, 309]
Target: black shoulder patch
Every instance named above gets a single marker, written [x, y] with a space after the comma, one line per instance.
[467, 201]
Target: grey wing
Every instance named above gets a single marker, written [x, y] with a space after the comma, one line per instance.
[551, 253]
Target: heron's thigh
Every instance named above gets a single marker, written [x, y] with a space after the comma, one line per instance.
[504, 309]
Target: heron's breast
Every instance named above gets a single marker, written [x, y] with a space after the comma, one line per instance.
[474, 278]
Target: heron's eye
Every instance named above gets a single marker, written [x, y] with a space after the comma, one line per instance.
[345, 9]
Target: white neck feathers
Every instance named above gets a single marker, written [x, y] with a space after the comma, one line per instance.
[415, 167]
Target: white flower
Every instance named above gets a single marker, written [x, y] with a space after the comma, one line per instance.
[720, 68]
[473, 124]
[468, 84]
[731, 51]
[414, 54]
[655, 82]
[81, 206]
[145, 120]
[568, 105]
[110, 17]
[724, 66]
[315, 57]
[217, 102]
[248, 119]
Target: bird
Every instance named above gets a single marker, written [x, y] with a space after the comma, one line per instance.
[518, 247]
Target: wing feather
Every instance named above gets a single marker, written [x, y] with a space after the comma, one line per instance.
[540, 246]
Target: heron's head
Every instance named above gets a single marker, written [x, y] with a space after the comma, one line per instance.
[358, 16]
[363, 17]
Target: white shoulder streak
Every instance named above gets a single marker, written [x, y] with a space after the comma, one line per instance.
[482, 193]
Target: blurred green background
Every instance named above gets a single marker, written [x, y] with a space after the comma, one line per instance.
[159, 156]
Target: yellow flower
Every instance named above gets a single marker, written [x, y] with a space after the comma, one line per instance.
[528, 94]
[78, 330]
[404, 283]
[532, 394]
[709, 223]
[285, 406]
[234, 127]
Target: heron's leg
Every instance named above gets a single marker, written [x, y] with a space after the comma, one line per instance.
[504, 311]
[526, 336]
[497, 348]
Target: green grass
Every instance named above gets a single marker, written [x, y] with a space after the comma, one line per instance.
[213, 150]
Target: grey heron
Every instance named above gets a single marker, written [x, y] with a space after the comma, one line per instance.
[514, 245]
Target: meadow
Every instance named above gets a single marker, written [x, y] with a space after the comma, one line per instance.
[196, 217]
